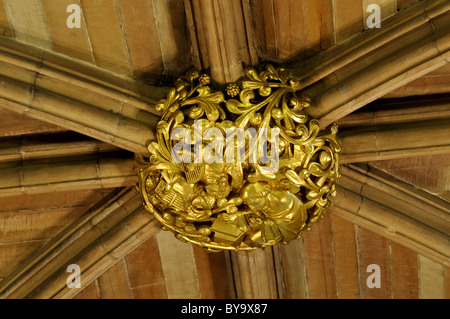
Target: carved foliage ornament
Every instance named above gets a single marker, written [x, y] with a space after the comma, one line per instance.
[238, 170]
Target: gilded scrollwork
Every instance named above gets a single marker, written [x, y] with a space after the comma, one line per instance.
[194, 190]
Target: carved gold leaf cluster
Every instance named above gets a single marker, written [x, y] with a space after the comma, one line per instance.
[238, 205]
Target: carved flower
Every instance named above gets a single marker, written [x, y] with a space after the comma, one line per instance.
[204, 79]
[233, 89]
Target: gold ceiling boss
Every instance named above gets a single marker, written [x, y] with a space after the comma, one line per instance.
[241, 169]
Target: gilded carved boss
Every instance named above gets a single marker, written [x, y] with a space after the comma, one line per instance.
[238, 170]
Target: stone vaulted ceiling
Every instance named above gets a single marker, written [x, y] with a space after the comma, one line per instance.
[77, 103]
